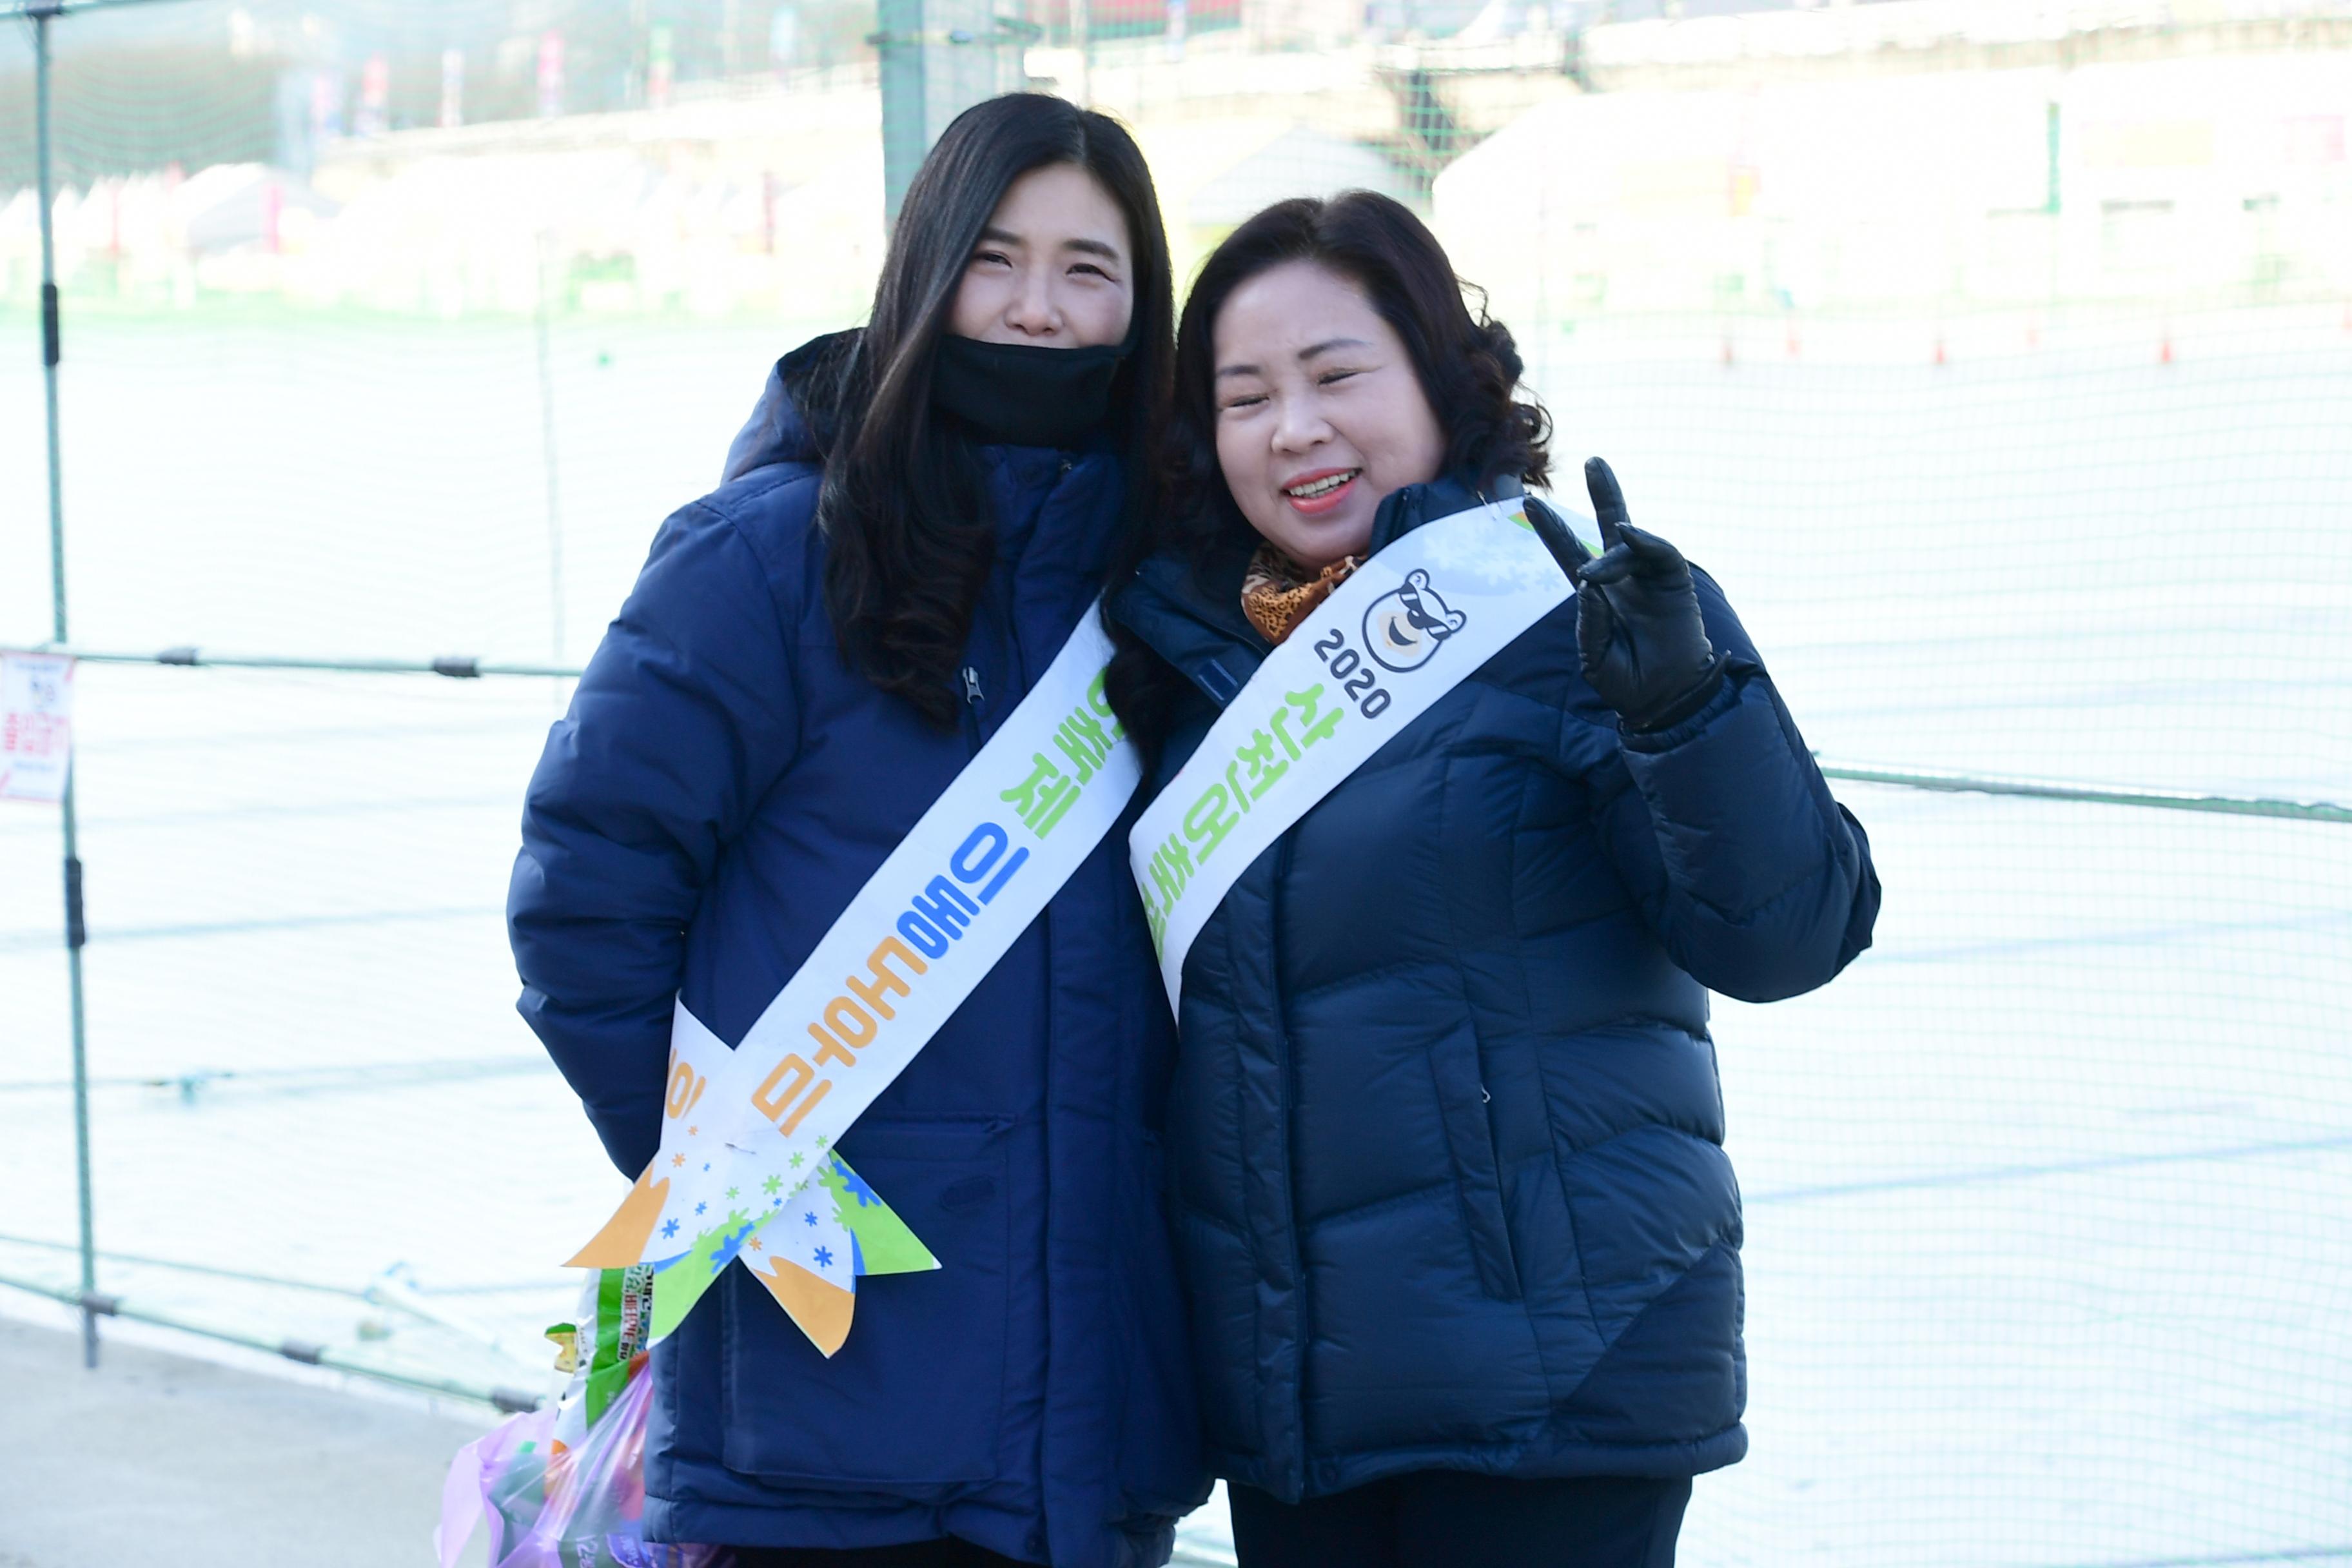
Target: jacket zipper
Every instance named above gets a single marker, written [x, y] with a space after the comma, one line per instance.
[975, 704]
[1301, 1307]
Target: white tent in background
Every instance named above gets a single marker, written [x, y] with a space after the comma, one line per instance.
[229, 206]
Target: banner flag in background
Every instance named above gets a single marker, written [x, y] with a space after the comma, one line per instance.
[35, 725]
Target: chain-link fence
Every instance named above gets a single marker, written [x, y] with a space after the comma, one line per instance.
[1996, 358]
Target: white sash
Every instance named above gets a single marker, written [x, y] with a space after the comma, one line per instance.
[1403, 629]
[744, 1133]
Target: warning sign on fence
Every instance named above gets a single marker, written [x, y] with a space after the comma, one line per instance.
[35, 725]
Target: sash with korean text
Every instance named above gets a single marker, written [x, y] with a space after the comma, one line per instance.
[747, 1168]
[1403, 630]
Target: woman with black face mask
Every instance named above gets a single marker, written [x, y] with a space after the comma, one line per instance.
[919, 516]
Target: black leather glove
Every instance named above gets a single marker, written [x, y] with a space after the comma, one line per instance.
[1639, 633]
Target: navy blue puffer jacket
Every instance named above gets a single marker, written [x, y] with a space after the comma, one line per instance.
[1446, 1137]
[721, 787]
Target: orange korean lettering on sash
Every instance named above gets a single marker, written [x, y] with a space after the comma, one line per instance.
[852, 1025]
[884, 983]
[849, 1022]
[775, 1096]
[793, 1088]
[686, 1086]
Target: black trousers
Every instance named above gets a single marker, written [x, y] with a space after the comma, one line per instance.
[948, 1554]
[1451, 1519]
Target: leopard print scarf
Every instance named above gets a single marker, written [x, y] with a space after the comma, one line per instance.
[1277, 593]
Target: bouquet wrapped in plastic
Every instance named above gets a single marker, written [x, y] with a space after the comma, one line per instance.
[563, 1486]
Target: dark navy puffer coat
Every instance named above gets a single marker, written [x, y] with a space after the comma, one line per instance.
[1446, 1137]
[721, 787]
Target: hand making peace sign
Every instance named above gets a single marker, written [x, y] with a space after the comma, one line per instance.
[1639, 634]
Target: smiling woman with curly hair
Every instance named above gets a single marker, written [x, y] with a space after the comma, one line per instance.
[1460, 1241]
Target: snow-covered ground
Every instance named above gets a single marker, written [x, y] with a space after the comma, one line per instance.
[2050, 1197]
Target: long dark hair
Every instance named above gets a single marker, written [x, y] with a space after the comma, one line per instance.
[909, 542]
[1469, 365]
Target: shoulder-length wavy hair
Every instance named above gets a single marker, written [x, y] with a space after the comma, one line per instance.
[909, 543]
[1468, 366]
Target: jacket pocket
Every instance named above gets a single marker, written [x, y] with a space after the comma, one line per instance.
[1477, 1179]
[912, 1405]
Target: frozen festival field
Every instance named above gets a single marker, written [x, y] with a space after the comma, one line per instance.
[2050, 1197]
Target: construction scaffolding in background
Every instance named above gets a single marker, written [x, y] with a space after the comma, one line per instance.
[1995, 358]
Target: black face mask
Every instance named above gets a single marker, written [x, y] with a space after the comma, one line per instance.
[1023, 395]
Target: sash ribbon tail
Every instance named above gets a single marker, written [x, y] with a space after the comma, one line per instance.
[622, 1243]
[822, 1310]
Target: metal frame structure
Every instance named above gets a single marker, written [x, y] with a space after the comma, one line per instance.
[939, 57]
[41, 13]
[466, 667]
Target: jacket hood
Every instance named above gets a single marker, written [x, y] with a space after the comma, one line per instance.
[791, 421]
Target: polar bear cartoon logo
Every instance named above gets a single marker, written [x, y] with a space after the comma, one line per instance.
[1405, 626]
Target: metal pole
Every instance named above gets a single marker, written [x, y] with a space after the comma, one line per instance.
[2090, 794]
[906, 129]
[59, 7]
[42, 15]
[456, 666]
[939, 57]
[513, 1401]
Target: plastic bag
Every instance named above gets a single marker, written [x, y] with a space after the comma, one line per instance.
[551, 1506]
[564, 1487]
